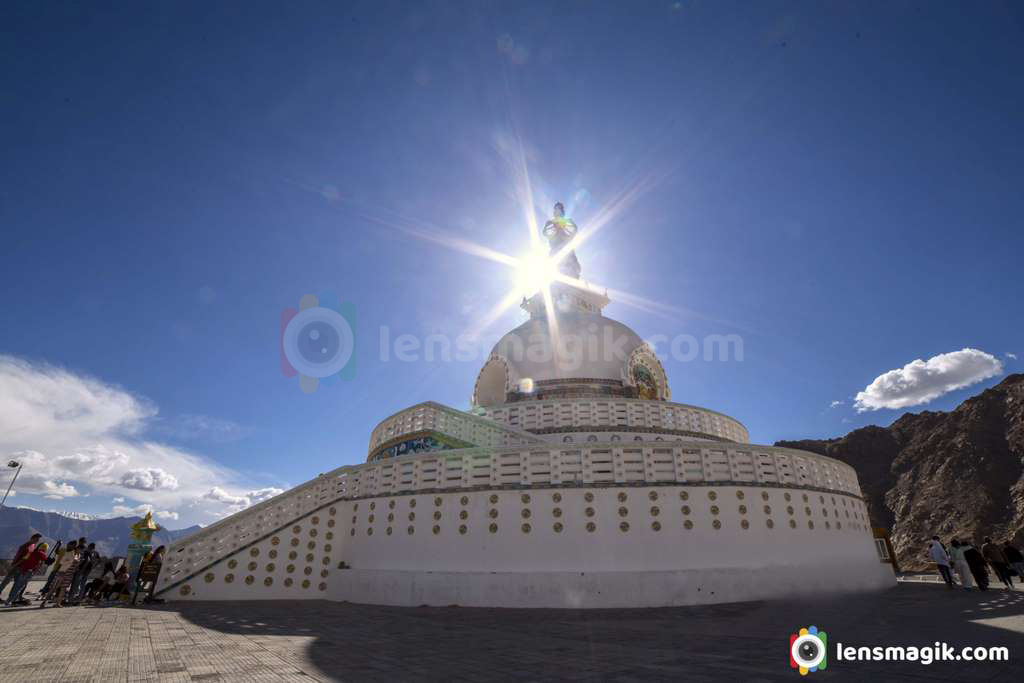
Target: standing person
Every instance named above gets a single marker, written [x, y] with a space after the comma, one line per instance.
[155, 563]
[994, 556]
[960, 563]
[23, 551]
[976, 563]
[81, 579]
[58, 592]
[938, 555]
[57, 554]
[26, 567]
[57, 566]
[1016, 560]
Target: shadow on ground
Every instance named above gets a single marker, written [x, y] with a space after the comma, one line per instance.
[745, 641]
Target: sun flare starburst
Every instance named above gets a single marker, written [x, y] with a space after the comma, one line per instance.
[535, 271]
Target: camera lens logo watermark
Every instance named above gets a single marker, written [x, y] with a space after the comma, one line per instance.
[808, 650]
[318, 341]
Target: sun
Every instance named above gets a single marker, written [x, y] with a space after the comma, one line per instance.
[535, 272]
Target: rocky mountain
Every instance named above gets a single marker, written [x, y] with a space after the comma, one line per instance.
[958, 474]
[111, 536]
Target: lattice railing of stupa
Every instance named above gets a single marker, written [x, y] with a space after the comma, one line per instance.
[219, 540]
[601, 463]
[623, 413]
[431, 416]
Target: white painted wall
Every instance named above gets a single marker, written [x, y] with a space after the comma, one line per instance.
[606, 567]
[608, 548]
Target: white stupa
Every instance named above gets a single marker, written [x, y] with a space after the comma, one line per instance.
[573, 481]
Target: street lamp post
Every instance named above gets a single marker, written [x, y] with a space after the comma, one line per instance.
[13, 464]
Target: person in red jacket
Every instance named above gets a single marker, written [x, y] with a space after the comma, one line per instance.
[26, 568]
[22, 552]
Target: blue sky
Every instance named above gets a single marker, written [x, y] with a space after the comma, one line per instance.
[840, 185]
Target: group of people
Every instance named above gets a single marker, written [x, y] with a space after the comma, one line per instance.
[70, 582]
[972, 564]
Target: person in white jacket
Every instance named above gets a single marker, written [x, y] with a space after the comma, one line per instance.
[963, 570]
[938, 555]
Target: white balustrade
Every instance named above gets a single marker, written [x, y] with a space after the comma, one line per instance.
[632, 413]
[457, 424]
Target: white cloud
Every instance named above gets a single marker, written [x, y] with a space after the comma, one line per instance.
[221, 496]
[921, 381]
[47, 398]
[237, 503]
[92, 463]
[836, 404]
[141, 510]
[119, 499]
[261, 495]
[36, 478]
[79, 436]
[131, 511]
[56, 491]
[149, 479]
[1011, 356]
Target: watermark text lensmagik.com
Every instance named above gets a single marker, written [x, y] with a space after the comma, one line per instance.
[926, 654]
[570, 350]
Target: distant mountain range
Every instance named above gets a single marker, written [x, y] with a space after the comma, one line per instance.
[111, 535]
[958, 474]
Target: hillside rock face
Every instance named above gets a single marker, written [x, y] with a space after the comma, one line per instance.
[111, 536]
[958, 474]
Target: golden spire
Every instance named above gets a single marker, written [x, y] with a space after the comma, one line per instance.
[143, 529]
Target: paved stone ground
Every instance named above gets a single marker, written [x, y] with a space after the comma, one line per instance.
[324, 641]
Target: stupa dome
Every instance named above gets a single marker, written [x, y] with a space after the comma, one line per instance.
[583, 353]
